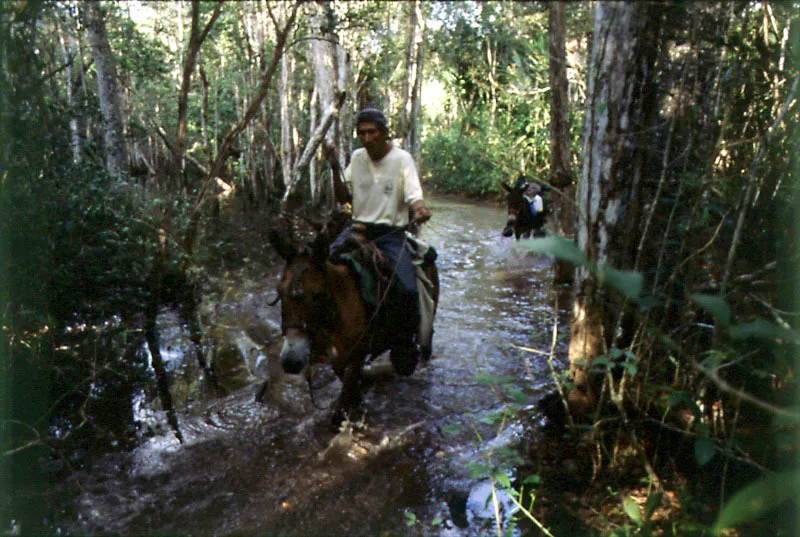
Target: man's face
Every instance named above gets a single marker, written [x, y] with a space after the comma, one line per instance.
[372, 138]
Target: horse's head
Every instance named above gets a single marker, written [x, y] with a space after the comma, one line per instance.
[306, 306]
[515, 201]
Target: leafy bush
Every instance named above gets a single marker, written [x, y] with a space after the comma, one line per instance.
[463, 163]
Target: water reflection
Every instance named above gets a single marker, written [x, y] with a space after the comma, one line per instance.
[276, 468]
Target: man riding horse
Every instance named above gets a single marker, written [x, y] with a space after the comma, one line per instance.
[382, 184]
[525, 214]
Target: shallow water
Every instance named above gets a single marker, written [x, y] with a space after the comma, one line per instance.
[411, 467]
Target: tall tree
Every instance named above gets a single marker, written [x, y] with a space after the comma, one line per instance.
[325, 52]
[410, 117]
[618, 108]
[560, 172]
[69, 53]
[108, 91]
[196, 38]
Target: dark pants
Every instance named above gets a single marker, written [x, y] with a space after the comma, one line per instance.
[403, 301]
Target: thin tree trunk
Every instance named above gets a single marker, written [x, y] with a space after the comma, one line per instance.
[312, 165]
[561, 176]
[345, 120]
[196, 38]
[68, 52]
[204, 125]
[107, 90]
[153, 340]
[415, 82]
[286, 135]
[751, 184]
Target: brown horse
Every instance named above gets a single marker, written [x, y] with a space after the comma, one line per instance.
[325, 319]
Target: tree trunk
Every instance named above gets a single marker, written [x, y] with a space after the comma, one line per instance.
[69, 53]
[327, 75]
[617, 113]
[204, 122]
[312, 165]
[414, 127]
[560, 173]
[409, 121]
[107, 90]
[286, 133]
[196, 38]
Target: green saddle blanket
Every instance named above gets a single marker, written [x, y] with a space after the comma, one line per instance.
[359, 258]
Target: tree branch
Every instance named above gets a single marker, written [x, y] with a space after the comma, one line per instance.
[312, 145]
[252, 110]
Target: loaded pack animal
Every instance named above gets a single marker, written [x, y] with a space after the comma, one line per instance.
[523, 218]
[325, 316]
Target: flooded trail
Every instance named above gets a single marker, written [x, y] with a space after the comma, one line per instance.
[277, 468]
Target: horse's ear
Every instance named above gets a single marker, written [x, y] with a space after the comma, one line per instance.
[316, 225]
[508, 188]
[284, 247]
[320, 247]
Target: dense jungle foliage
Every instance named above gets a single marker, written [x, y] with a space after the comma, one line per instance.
[218, 103]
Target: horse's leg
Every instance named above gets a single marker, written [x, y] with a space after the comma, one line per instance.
[350, 396]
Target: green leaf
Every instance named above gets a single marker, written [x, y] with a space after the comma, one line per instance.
[715, 305]
[532, 480]
[411, 519]
[490, 419]
[627, 282]
[630, 368]
[615, 353]
[517, 395]
[502, 479]
[478, 470]
[652, 504]
[632, 510]
[558, 247]
[452, 429]
[761, 328]
[713, 360]
[483, 378]
[704, 449]
[646, 303]
[677, 399]
[436, 521]
[758, 498]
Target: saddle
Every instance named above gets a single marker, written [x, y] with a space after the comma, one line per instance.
[370, 267]
[374, 272]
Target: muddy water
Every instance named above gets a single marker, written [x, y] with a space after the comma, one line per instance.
[411, 467]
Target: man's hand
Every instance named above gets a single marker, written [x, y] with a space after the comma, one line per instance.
[330, 151]
[420, 213]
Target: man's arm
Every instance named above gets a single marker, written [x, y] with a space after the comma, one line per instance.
[340, 190]
[419, 212]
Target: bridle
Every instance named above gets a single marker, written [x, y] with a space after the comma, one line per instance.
[311, 332]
